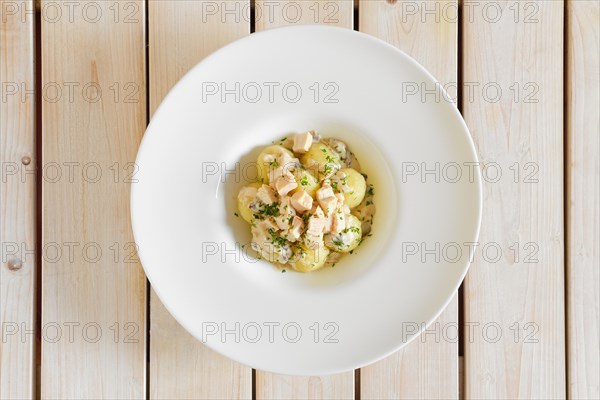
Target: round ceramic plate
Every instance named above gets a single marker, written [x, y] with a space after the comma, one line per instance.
[198, 152]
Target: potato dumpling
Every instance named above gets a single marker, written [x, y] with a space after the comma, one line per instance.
[321, 160]
[347, 239]
[245, 197]
[269, 159]
[306, 181]
[357, 187]
[307, 259]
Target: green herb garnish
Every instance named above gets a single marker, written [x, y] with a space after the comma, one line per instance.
[277, 240]
[338, 243]
[354, 229]
[271, 210]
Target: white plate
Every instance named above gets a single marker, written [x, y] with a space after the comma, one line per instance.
[374, 301]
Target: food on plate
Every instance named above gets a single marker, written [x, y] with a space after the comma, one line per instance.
[311, 204]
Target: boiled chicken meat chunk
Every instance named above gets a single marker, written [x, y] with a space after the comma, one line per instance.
[338, 222]
[327, 199]
[266, 194]
[285, 184]
[301, 201]
[295, 231]
[302, 142]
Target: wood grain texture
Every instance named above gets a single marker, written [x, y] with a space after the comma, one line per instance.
[273, 14]
[520, 353]
[286, 13]
[17, 202]
[281, 387]
[583, 195]
[93, 111]
[181, 33]
[183, 368]
[427, 368]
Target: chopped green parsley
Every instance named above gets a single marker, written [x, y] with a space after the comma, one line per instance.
[271, 210]
[277, 240]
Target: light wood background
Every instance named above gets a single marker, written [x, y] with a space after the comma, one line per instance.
[521, 215]
[17, 205]
[103, 126]
[79, 83]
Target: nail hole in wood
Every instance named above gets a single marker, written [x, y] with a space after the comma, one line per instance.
[14, 265]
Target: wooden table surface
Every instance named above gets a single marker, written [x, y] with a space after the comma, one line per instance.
[80, 81]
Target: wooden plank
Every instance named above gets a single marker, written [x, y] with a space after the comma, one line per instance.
[583, 194]
[273, 14]
[180, 366]
[285, 13]
[276, 386]
[17, 201]
[93, 118]
[183, 368]
[428, 367]
[514, 300]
